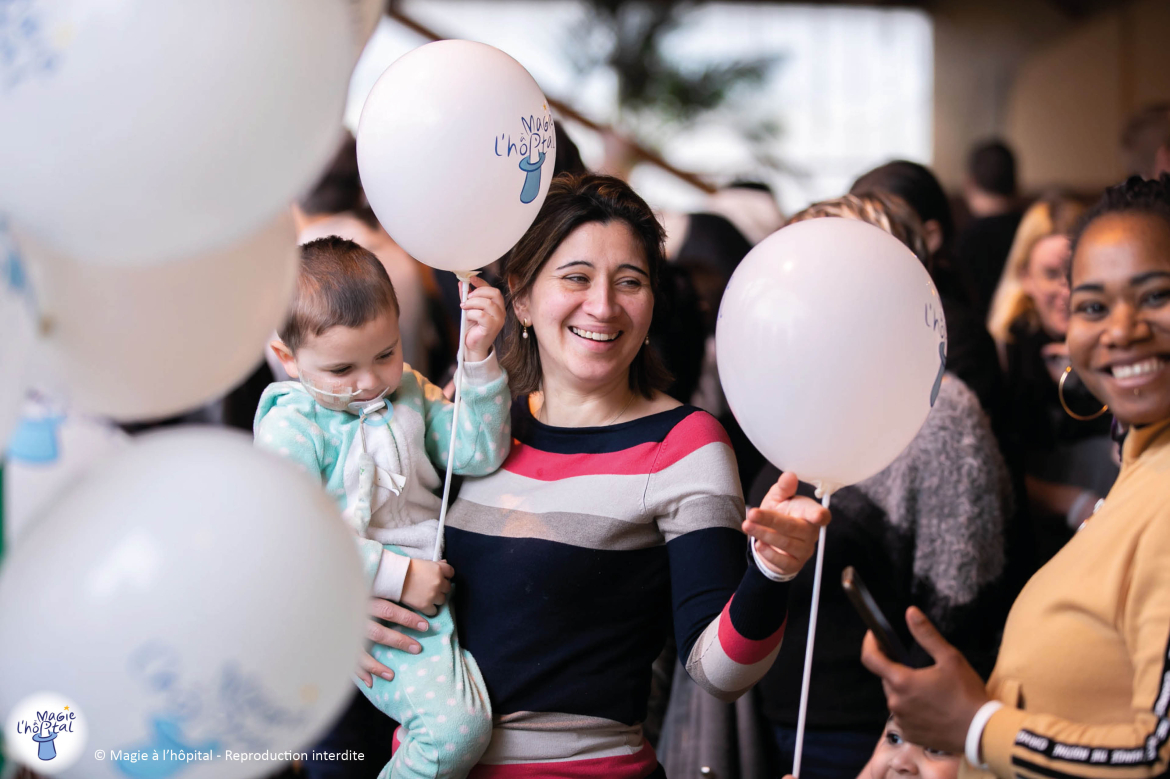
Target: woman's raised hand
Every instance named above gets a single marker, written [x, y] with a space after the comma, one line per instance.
[786, 526]
[933, 706]
[389, 611]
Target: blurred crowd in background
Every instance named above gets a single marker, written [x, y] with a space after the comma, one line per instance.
[997, 481]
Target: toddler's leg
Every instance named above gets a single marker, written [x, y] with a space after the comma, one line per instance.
[440, 699]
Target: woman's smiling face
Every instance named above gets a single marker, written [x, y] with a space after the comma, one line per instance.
[1119, 325]
[590, 306]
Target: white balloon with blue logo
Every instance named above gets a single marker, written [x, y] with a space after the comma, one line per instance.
[455, 148]
[141, 132]
[192, 595]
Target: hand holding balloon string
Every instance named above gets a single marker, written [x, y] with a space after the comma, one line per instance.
[786, 525]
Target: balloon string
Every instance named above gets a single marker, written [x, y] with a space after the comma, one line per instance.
[808, 647]
[466, 279]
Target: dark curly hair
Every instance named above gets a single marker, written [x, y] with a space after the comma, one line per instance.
[1135, 196]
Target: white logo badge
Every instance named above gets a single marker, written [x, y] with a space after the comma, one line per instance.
[45, 732]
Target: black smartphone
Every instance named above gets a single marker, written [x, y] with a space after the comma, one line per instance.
[873, 617]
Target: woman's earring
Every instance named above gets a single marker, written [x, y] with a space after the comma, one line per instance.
[524, 330]
[1069, 411]
[647, 341]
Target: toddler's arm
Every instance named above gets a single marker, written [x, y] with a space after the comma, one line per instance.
[485, 425]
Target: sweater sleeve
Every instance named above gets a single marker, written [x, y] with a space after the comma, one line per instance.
[728, 616]
[485, 433]
[951, 492]
[1032, 745]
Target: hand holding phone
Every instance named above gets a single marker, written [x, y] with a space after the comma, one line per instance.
[873, 617]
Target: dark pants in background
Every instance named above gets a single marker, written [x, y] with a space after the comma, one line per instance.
[828, 754]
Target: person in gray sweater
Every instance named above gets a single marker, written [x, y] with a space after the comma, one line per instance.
[928, 531]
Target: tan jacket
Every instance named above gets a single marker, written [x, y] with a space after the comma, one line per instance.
[1084, 669]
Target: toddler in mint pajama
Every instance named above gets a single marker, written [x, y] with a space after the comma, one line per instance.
[377, 434]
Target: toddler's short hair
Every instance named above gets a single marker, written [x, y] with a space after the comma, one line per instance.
[339, 283]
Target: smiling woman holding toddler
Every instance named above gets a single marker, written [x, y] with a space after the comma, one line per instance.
[617, 512]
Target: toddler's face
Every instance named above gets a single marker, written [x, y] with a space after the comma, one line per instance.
[365, 361]
[897, 758]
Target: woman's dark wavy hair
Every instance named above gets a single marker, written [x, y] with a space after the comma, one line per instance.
[573, 201]
[1135, 196]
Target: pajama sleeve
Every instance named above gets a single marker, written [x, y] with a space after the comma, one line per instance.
[485, 432]
[728, 616]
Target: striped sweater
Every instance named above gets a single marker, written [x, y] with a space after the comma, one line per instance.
[573, 561]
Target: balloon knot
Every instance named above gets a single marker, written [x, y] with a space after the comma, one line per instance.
[824, 489]
[465, 275]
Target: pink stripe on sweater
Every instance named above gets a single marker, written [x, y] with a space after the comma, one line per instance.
[745, 651]
[694, 432]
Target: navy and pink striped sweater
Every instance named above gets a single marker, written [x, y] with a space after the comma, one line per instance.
[573, 560]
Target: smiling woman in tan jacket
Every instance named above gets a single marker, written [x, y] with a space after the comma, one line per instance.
[1081, 687]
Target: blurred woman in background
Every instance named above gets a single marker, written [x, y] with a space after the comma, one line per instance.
[1068, 462]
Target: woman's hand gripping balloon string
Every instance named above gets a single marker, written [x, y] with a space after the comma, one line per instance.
[933, 706]
[785, 527]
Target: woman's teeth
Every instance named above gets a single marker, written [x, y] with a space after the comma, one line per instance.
[1138, 368]
[592, 336]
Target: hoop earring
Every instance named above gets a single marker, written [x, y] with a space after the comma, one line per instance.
[1069, 411]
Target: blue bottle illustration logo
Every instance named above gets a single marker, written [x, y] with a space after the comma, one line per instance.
[173, 748]
[46, 749]
[532, 180]
[37, 439]
[535, 141]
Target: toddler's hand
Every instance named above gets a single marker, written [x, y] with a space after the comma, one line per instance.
[426, 586]
[485, 318]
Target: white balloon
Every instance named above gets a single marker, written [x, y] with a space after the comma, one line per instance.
[144, 131]
[17, 332]
[48, 452]
[456, 148]
[192, 594]
[146, 342]
[831, 345]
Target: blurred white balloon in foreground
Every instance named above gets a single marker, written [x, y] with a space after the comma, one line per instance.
[193, 594]
[17, 332]
[142, 131]
[456, 148]
[146, 342]
[49, 451]
[831, 346]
